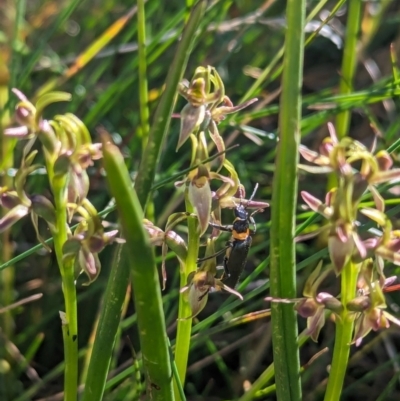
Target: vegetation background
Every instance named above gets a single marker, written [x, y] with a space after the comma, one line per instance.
[78, 47]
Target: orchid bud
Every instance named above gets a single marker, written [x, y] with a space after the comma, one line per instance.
[307, 307]
[359, 304]
[330, 302]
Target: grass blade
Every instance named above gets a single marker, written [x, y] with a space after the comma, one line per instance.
[145, 280]
[283, 272]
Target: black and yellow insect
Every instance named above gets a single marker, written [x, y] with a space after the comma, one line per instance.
[237, 248]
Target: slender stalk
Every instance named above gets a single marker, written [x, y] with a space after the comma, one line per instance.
[344, 327]
[283, 271]
[145, 279]
[142, 56]
[185, 325]
[70, 326]
[107, 328]
[343, 335]
[349, 62]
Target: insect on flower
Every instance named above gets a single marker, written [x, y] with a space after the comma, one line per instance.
[237, 248]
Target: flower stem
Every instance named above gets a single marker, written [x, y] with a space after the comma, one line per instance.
[184, 324]
[343, 336]
[70, 327]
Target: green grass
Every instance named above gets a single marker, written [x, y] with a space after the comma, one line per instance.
[121, 62]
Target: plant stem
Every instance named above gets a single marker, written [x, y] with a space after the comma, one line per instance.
[107, 328]
[283, 271]
[343, 335]
[144, 276]
[349, 62]
[142, 55]
[70, 327]
[185, 325]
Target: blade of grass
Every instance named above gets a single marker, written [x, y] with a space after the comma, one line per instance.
[283, 272]
[143, 90]
[162, 116]
[144, 275]
[107, 328]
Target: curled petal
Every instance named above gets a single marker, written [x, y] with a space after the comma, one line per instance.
[314, 157]
[19, 94]
[220, 285]
[316, 205]
[378, 199]
[361, 249]
[384, 176]
[388, 254]
[219, 113]
[384, 160]
[227, 180]
[13, 216]
[391, 318]
[219, 142]
[332, 133]
[17, 132]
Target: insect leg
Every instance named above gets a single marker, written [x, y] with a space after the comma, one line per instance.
[220, 252]
[222, 228]
[252, 221]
